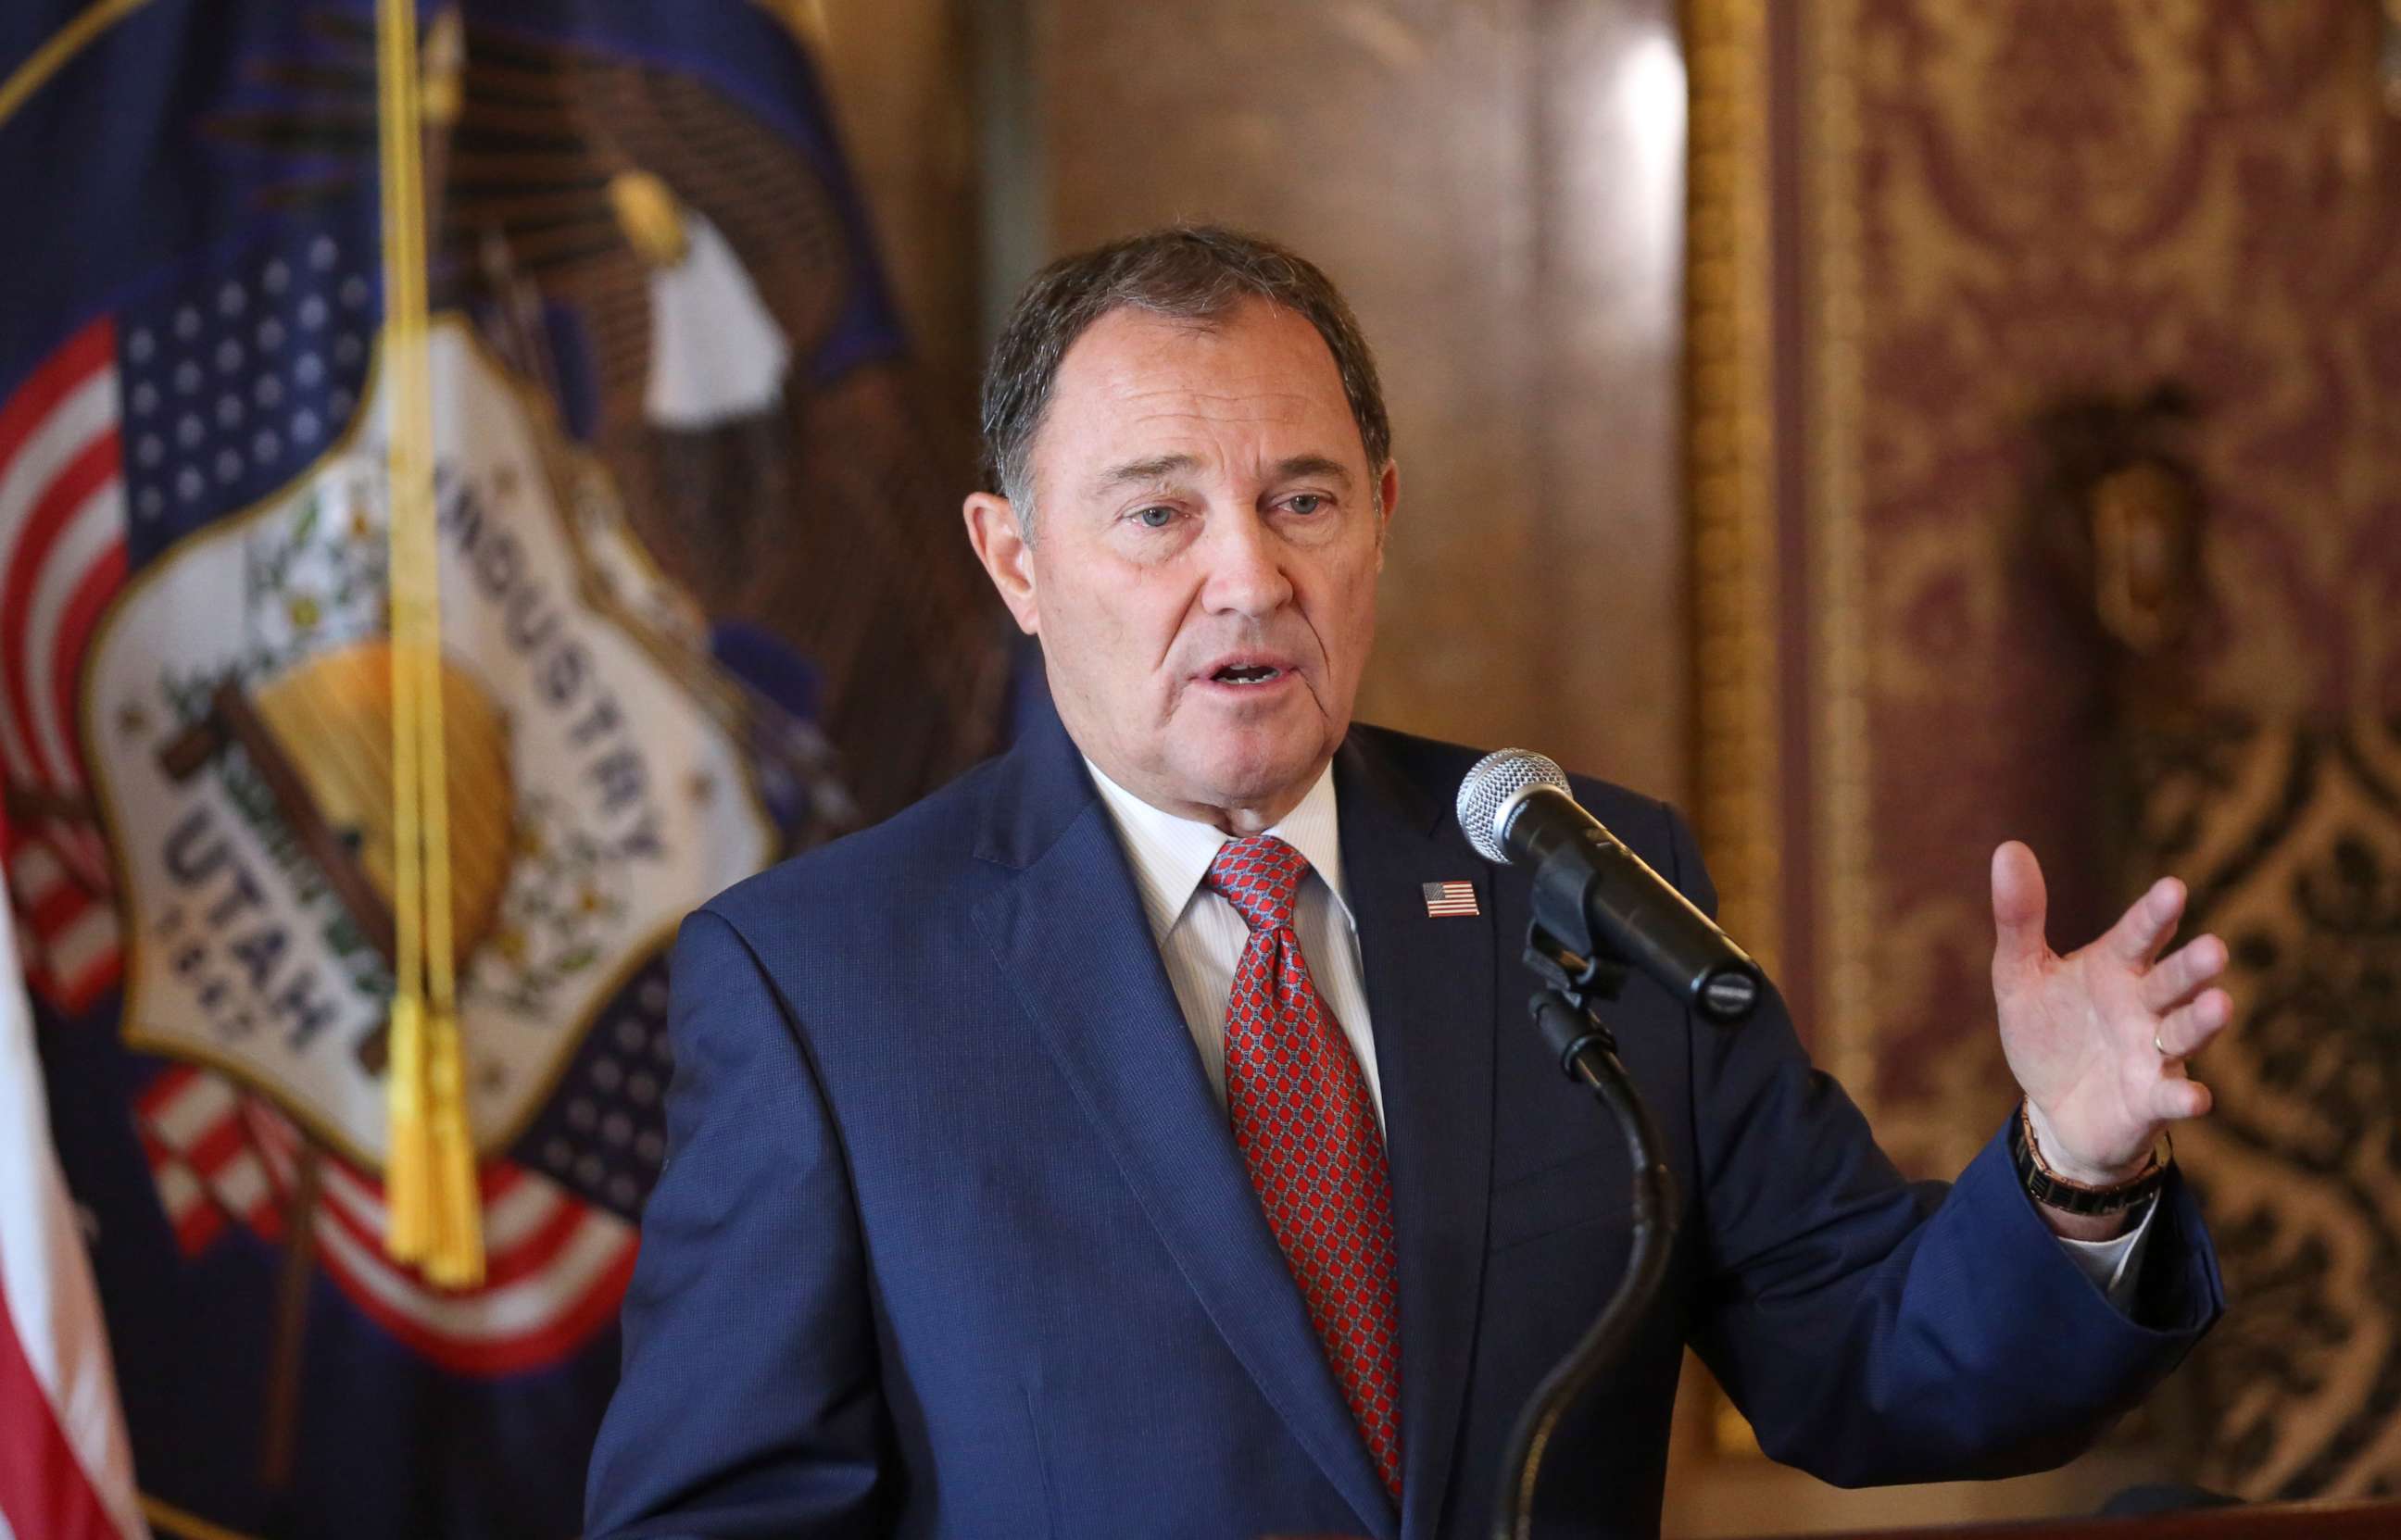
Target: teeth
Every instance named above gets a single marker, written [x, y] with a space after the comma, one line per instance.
[1247, 674]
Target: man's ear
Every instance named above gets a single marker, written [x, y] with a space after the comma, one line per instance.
[1007, 556]
[1388, 496]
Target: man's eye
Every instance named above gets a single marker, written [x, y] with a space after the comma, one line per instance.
[1156, 518]
[1305, 502]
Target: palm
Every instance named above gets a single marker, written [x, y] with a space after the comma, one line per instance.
[2084, 1033]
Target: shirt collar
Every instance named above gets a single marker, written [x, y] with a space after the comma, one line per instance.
[1170, 855]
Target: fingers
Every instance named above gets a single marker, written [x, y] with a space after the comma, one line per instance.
[2188, 1029]
[2140, 931]
[2019, 903]
[2183, 974]
[2177, 1097]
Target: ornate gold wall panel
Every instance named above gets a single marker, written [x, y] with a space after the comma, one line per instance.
[1729, 469]
[1986, 211]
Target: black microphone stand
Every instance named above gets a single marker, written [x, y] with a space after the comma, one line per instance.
[1564, 1009]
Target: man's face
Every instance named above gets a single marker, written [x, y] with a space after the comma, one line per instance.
[1202, 572]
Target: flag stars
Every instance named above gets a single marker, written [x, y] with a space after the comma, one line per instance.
[216, 365]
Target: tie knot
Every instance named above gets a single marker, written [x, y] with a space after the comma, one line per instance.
[1260, 876]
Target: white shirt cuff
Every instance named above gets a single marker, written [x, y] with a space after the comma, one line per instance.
[2114, 1264]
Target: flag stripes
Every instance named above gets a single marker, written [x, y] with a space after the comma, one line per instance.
[65, 1469]
[1450, 898]
[557, 1265]
[61, 559]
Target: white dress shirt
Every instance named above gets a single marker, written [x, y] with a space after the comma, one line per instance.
[1200, 939]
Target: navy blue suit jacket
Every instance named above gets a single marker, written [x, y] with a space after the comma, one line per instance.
[952, 1238]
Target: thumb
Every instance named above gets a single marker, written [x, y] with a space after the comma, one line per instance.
[2019, 903]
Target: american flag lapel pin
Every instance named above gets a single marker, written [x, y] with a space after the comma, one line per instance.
[1449, 898]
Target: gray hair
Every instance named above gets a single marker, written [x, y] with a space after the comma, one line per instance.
[1196, 273]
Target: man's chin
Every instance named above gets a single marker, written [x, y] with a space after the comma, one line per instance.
[1251, 776]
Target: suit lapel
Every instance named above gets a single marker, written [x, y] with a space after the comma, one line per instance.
[1069, 934]
[1430, 987]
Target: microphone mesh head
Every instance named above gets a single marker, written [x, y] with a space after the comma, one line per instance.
[1490, 786]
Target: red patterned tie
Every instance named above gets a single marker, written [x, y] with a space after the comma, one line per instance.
[1307, 1132]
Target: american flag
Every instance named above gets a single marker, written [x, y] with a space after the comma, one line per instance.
[1450, 898]
[66, 1470]
[63, 557]
[556, 1265]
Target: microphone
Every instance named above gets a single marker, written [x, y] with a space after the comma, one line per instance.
[1592, 894]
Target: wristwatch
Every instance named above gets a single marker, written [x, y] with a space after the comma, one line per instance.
[2048, 1187]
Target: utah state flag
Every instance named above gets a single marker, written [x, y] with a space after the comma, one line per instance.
[647, 272]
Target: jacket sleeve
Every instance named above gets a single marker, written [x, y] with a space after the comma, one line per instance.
[1878, 1330]
[749, 1404]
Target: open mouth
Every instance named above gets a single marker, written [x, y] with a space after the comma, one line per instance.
[1247, 674]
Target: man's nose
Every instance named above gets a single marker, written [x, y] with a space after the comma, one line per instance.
[1246, 573]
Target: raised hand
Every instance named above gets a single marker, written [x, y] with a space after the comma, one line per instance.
[2097, 1039]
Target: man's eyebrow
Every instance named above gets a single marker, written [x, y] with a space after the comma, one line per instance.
[1135, 472]
[1299, 466]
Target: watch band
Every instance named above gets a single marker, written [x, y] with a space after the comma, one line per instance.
[2049, 1188]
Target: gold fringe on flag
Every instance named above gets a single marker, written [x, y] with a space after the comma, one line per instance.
[432, 1197]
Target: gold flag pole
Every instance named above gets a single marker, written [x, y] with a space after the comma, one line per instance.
[430, 1188]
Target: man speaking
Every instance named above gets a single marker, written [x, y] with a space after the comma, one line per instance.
[1144, 1136]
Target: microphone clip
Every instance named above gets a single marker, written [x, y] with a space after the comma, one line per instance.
[1583, 979]
[1573, 986]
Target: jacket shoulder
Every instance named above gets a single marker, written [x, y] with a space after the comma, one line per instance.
[1435, 768]
[927, 845]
